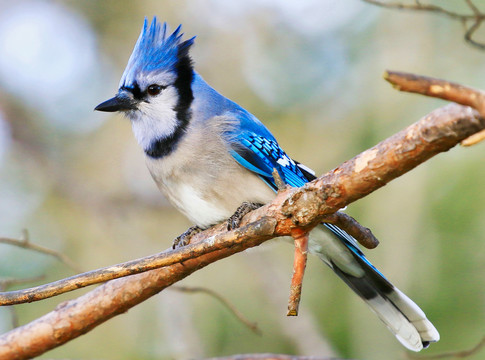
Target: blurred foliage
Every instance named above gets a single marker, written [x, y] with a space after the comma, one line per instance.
[312, 72]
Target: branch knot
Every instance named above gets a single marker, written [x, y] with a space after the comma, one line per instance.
[303, 206]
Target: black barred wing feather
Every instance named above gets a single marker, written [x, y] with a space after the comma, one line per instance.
[261, 155]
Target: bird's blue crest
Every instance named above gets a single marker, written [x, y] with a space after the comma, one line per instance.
[155, 51]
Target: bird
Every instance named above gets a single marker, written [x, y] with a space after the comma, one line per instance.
[214, 161]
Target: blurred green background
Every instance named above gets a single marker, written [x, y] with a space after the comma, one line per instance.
[312, 72]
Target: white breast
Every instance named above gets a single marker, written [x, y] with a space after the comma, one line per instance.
[193, 205]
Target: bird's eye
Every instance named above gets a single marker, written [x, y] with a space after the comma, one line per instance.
[155, 89]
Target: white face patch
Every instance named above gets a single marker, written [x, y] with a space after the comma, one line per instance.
[155, 119]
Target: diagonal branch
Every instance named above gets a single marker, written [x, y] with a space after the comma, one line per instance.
[151, 262]
[165, 258]
[292, 209]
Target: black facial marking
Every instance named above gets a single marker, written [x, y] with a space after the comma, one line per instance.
[183, 84]
[185, 75]
[135, 90]
[164, 146]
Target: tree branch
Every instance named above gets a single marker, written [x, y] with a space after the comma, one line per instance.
[294, 208]
[442, 89]
[166, 258]
[420, 7]
[363, 235]
[299, 265]
[437, 88]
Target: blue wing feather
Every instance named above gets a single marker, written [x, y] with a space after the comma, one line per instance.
[261, 155]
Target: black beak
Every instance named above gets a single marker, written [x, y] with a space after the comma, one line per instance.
[121, 102]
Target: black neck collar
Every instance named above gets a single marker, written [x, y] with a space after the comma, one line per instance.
[185, 75]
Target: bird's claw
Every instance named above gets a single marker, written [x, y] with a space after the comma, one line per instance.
[235, 220]
[184, 239]
[232, 223]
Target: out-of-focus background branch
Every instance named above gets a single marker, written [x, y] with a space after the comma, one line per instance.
[471, 18]
[309, 70]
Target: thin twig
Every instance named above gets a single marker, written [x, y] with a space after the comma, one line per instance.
[474, 139]
[280, 184]
[5, 283]
[471, 30]
[477, 17]
[478, 20]
[253, 326]
[299, 265]
[363, 235]
[421, 7]
[14, 317]
[472, 6]
[24, 242]
[437, 88]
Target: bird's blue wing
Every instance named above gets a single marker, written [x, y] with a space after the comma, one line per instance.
[255, 148]
[262, 155]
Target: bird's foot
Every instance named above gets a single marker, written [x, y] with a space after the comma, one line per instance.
[235, 220]
[184, 239]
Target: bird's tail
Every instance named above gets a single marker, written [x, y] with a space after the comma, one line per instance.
[400, 314]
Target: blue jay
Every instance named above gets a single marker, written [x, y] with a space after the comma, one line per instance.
[208, 155]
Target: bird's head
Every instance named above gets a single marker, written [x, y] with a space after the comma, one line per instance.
[155, 89]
